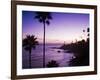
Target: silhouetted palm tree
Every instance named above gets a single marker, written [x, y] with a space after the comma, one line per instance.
[30, 43]
[88, 30]
[83, 30]
[43, 17]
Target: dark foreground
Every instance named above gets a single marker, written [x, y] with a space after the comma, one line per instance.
[81, 52]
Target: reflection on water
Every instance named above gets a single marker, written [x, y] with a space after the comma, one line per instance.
[51, 52]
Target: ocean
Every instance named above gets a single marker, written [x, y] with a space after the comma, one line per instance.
[51, 53]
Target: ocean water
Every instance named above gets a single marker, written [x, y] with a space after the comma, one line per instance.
[51, 53]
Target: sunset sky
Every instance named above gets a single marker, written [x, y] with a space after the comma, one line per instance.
[64, 27]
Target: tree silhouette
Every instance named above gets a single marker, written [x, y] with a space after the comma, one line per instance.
[88, 30]
[43, 17]
[83, 30]
[52, 63]
[30, 43]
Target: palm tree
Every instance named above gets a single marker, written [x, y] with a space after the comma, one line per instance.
[30, 43]
[88, 30]
[43, 17]
[84, 32]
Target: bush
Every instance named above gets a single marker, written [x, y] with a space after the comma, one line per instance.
[52, 63]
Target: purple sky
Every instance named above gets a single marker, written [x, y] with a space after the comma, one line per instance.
[64, 27]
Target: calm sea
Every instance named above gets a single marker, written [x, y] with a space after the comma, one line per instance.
[59, 55]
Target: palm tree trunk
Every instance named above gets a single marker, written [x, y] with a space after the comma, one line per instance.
[44, 46]
[29, 58]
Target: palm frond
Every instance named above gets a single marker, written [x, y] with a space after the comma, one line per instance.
[30, 42]
[43, 17]
[47, 22]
